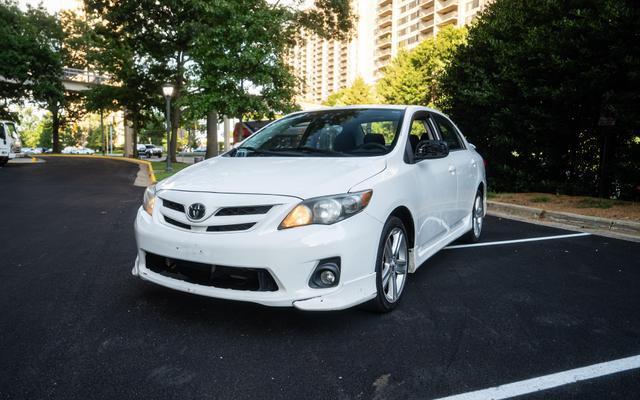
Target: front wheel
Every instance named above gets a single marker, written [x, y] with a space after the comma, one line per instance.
[391, 265]
[477, 219]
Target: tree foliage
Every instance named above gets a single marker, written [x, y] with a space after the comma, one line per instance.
[222, 55]
[358, 93]
[536, 83]
[413, 76]
[31, 49]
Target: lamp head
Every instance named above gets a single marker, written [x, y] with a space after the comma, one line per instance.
[167, 90]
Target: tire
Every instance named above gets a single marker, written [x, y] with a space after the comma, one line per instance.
[392, 264]
[477, 216]
[3, 161]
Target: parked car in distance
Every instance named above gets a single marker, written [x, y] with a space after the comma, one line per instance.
[27, 150]
[149, 150]
[85, 150]
[10, 144]
[321, 210]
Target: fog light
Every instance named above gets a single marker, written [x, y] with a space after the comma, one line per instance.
[326, 274]
[327, 277]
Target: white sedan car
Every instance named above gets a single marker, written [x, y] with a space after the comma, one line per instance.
[320, 210]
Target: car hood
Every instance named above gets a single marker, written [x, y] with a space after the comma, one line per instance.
[302, 177]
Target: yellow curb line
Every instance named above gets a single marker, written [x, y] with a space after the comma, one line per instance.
[152, 176]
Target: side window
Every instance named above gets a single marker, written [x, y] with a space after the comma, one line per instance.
[2, 134]
[421, 129]
[448, 132]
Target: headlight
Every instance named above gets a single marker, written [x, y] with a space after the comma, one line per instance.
[326, 210]
[149, 199]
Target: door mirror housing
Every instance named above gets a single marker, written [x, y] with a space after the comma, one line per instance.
[431, 149]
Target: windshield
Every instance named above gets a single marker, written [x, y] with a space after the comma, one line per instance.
[334, 133]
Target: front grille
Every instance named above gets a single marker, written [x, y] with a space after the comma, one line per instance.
[177, 223]
[173, 205]
[237, 278]
[248, 210]
[230, 228]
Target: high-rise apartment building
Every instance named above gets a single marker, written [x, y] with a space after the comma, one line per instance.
[383, 27]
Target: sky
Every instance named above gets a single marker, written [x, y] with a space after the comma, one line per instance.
[52, 5]
[56, 5]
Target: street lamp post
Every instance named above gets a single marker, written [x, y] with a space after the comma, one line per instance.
[167, 91]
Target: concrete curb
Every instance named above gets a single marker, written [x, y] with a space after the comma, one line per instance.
[576, 220]
[146, 164]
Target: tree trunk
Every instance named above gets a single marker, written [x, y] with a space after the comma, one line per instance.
[212, 134]
[135, 120]
[55, 130]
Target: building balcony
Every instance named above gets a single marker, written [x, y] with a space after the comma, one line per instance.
[382, 3]
[427, 14]
[447, 19]
[447, 5]
[384, 41]
[384, 21]
[427, 3]
[385, 10]
[383, 31]
[383, 54]
[425, 28]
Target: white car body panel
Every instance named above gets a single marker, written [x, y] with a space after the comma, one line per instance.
[438, 194]
[10, 146]
[305, 176]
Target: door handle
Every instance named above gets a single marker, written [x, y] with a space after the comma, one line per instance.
[452, 169]
[473, 163]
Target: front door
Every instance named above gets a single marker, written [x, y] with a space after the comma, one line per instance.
[462, 164]
[437, 187]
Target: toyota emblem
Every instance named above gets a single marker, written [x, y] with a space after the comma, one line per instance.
[196, 211]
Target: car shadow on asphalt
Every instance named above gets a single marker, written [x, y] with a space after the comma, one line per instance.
[182, 307]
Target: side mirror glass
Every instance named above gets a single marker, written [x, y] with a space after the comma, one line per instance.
[431, 149]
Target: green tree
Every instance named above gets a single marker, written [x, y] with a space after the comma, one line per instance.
[358, 93]
[413, 76]
[220, 55]
[240, 49]
[536, 83]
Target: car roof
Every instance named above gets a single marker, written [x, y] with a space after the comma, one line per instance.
[370, 106]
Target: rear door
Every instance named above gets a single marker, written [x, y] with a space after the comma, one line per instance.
[461, 164]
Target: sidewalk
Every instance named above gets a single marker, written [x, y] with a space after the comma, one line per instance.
[606, 226]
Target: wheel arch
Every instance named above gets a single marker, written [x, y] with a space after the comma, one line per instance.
[406, 217]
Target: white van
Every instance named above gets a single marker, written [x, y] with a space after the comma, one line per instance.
[10, 145]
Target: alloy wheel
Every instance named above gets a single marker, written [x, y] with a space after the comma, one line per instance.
[478, 211]
[394, 265]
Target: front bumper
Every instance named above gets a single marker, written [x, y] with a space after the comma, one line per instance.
[290, 256]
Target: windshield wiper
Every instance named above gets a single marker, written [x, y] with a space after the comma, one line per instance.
[252, 150]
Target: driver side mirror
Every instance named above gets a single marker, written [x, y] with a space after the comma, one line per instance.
[431, 149]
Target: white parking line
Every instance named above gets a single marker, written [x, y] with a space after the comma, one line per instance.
[535, 239]
[550, 381]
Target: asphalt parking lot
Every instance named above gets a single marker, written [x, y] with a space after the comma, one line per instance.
[74, 323]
